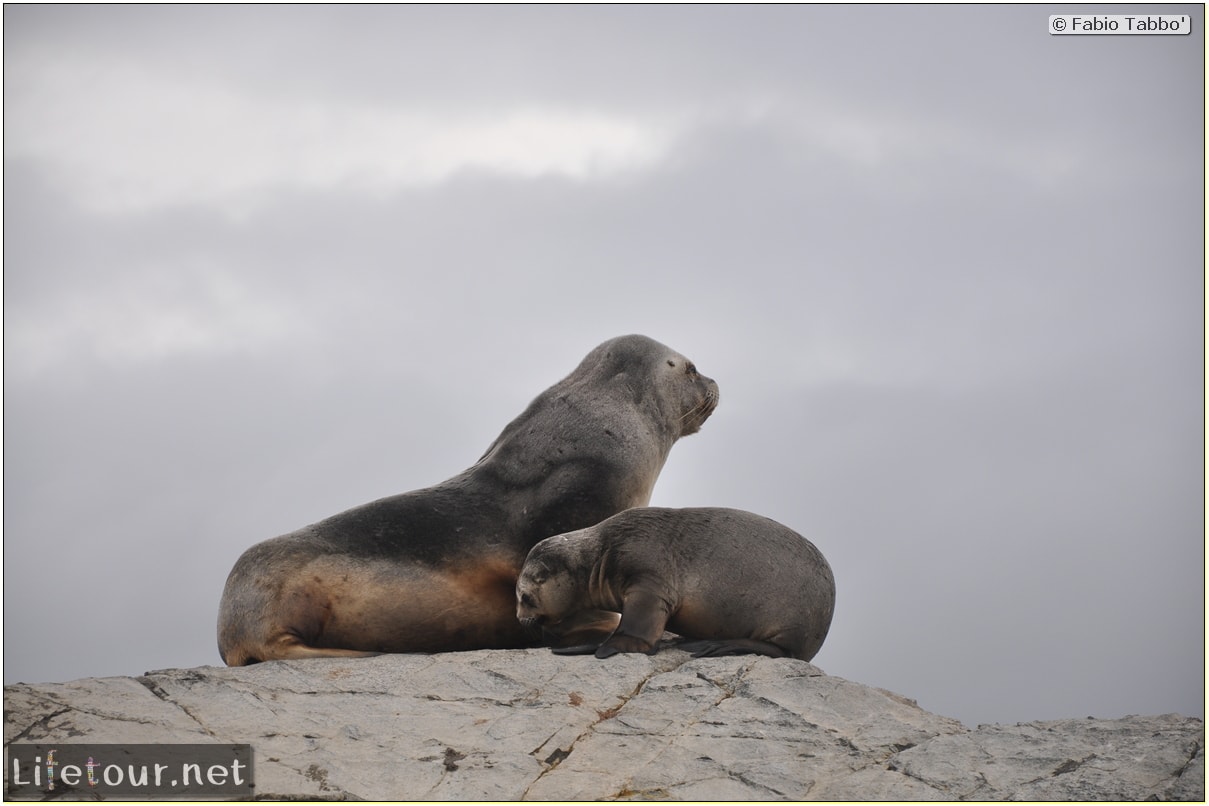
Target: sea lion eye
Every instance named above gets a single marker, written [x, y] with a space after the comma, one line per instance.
[690, 368]
[526, 600]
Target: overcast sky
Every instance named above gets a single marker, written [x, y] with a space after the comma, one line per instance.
[262, 264]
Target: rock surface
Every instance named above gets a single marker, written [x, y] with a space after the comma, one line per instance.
[511, 725]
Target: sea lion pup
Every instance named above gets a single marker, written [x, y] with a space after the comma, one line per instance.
[435, 570]
[742, 582]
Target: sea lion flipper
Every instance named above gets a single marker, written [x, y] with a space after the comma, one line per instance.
[738, 646]
[579, 649]
[625, 643]
[644, 614]
[584, 631]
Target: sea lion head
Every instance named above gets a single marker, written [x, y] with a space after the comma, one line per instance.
[655, 377]
[691, 393]
[546, 590]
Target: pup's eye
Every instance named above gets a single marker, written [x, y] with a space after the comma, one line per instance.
[690, 368]
[526, 600]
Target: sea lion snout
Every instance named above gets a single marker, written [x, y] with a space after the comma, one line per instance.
[526, 606]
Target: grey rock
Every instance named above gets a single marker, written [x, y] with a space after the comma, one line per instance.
[527, 724]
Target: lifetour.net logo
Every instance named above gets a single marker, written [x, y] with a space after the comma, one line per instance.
[92, 771]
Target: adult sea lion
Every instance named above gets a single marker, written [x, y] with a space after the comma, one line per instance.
[435, 569]
[741, 582]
